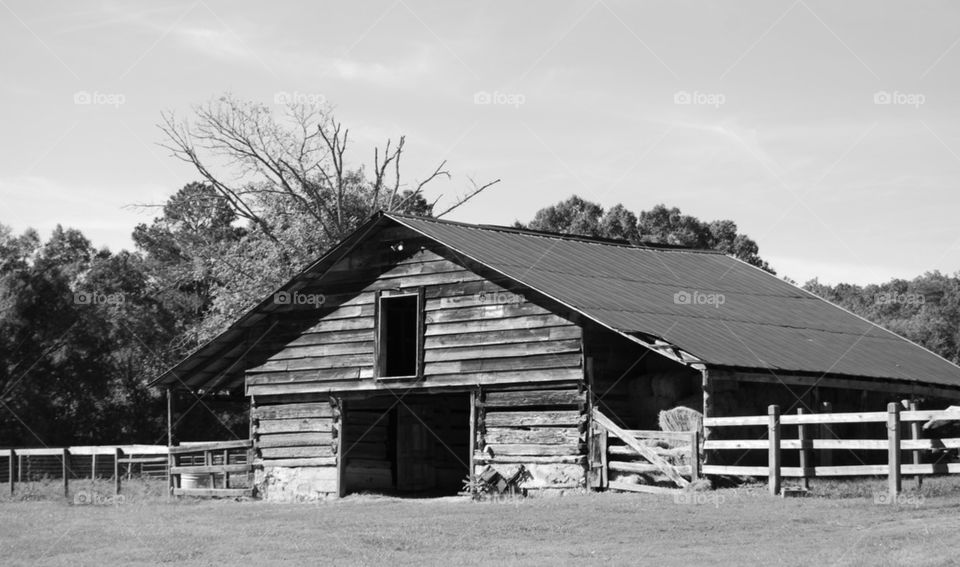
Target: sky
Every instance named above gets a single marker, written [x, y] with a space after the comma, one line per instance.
[829, 132]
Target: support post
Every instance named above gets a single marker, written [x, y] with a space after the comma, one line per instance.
[893, 452]
[805, 446]
[694, 456]
[707, 385]
[171, 458]
[93, 465]
[341, 447]
[473, 436]
[774, 453]
[10, 469]
[117, 455]
[602, 439]
[66, 472]
[915, 435]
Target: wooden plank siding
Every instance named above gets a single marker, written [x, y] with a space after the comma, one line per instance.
[475, 331]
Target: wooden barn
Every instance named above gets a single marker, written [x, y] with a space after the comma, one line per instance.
[417, 351]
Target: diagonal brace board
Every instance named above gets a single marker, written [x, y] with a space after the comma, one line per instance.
[646, 452]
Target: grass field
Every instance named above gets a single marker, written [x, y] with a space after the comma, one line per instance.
[724, 527]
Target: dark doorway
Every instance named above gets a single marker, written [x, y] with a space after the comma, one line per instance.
[417, 446]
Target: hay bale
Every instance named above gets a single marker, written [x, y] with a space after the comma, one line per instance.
[680, 418]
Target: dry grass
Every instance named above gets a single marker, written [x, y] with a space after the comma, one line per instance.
[724, 527]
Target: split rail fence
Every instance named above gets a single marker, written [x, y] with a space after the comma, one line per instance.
[805, 443]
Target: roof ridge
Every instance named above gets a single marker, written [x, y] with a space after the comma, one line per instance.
[658, 247]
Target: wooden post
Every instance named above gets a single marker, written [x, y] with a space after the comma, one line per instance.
[826, 433]
[117, 455]
[471, 474]
[226, 475]
[893, 452]
[93, 465]
[694, 455]
[915, 435]
[171, 458]
[341, 447]
[66, 473]
[208, 462]
[804, 452]
[602, 439]
[774, 456]
[707, 385]
[10, 467]
[19, 467]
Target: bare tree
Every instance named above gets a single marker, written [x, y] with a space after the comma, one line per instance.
[300, 158]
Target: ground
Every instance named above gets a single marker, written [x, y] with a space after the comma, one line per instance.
[742, 526]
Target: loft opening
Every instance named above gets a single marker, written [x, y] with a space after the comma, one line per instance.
[399, 335]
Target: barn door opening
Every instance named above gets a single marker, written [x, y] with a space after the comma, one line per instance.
[415, 446]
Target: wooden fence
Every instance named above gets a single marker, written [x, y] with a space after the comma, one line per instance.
[629, 451]
[806, 444]
[212, 469]
[202, 463]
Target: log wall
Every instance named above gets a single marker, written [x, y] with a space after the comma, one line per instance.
[542, 429]
[295, 443]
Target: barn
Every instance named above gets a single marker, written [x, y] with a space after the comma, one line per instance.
[418, 351]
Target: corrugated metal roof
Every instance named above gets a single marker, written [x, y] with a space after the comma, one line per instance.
[737, 315]
[756, 320]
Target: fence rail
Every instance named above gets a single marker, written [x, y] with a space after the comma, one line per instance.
[607, 456]
[197, 470]
[116, 462]
[774, 444]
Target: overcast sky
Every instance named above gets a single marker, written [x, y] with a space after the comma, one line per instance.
[830, 132]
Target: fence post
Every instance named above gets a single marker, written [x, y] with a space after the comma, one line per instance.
[804, 452]
[774, 457]
[915, 435]
[117, 455]
[93, 465]
[826, 433]
[10, 467]
[893, 453]
[66, 473]
[694, 455]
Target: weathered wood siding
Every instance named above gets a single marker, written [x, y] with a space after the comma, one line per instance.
[542, 429]
[294, 433]
[475, 331]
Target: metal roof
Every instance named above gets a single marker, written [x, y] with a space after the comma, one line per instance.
[719, 309]
[715, 307]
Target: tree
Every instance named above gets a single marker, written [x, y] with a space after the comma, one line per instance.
[293, 185]
[660, 225]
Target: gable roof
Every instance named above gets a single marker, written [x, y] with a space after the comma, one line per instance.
[735, 315]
